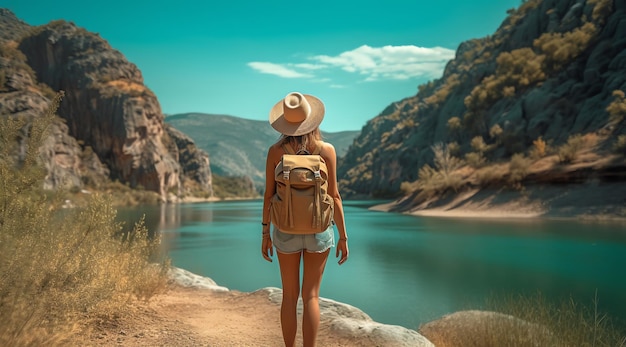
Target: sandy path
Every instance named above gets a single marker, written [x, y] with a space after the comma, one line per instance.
[200, 317]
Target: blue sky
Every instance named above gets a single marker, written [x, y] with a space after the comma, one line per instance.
[239, 57]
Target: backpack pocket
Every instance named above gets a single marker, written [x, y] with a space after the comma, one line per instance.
[276, 208]
[328, 211]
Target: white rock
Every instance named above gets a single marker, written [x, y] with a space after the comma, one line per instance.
[349, 321]
[189, 279]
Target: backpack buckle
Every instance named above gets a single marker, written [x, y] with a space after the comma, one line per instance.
[318, 175]
[286, 174]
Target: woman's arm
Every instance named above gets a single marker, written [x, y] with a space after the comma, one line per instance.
[330, 156]
[270, 189]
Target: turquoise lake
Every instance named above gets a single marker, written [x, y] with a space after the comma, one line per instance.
[408, 270]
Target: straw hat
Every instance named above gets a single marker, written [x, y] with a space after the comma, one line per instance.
[297, 114]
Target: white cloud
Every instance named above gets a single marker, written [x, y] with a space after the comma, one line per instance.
[391, 62]
[276, 69]
[308, 66]
[373, 63]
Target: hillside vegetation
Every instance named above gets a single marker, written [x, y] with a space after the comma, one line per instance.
[541, 101]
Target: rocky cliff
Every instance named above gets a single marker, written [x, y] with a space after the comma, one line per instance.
[112, 125]
[546, 89]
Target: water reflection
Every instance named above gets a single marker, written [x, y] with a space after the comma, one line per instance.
[408, 270]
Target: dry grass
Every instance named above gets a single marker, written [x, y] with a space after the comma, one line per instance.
[61, 269]
[525, 321]
[570, 323]
[127, 86]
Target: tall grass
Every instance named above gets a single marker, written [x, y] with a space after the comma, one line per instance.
[564, 323]
[526, 321]
[61, 269]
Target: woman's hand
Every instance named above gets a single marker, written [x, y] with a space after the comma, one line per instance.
[266, 247]
[342, 247]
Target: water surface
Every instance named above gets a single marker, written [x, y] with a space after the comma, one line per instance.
[409, 270]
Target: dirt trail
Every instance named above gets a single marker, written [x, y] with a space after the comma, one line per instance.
[200, 317]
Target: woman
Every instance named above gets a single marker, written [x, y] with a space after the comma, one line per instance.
[297, 117]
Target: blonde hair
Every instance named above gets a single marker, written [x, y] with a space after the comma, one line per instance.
[306, 141]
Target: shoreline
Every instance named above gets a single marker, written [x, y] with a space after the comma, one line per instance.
[590, 203]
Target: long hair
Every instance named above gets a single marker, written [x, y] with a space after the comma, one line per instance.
[306, 141]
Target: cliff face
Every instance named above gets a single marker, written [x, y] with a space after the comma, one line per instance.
[554, 69]
[106, 107]
[21, 95]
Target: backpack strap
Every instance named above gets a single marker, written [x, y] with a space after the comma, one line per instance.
[288, 149]
[317, 219]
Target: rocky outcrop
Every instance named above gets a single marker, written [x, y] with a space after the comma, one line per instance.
[21, 96]
[109, 115]
[193, 161]
[549, 72]
[12, 27]
[105, 104]
[343, 319]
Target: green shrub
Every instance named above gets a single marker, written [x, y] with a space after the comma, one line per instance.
[617, 108]
[561, 48]
[475, 159]
[441, 94]
[539, 148]
[445, 162]
[601, 9]
[516, 71]
[479, 145]
[454, 123]
[518, 167]
[444, 175]
[496, 131]
[568, 152]
[454, 148]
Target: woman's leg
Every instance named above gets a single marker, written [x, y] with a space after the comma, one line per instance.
[290, 276]
[314, 264]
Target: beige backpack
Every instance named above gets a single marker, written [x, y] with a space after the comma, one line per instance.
[301, 204]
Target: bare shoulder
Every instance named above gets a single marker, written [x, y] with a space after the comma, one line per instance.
[327, 149]
[274, 153]
[275, 146]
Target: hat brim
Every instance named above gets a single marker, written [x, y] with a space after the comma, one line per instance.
[280, 124]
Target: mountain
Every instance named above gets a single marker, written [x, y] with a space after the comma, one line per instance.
[238, 146]
[109, 126]
[539, 102]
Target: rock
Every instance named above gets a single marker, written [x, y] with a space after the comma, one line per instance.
[379, 334]
[193, 161]
[349, 321]
[189, 279]
[12, 27]
[112, 121]
[552, 94]
[106, 104]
